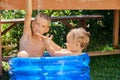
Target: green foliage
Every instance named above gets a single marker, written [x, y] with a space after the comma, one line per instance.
[59, 31]
[6, 66]
[11, 14]
[100, 29]
[11, 37]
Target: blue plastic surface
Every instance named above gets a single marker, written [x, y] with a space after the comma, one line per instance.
[50, 68]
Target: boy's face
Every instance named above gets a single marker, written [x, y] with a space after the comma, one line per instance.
[71, 44]
[40, 26]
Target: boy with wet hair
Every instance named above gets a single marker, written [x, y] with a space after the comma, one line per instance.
[30, 41]
[77, 40]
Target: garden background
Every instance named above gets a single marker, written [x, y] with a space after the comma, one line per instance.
[101, 30]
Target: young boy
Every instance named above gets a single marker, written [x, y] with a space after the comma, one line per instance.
[30, 41]
[77, 40]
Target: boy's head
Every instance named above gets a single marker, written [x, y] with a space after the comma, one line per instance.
[77, 38]
[41, 24]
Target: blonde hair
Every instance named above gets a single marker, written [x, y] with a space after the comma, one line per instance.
[80, 35]
[42, 15]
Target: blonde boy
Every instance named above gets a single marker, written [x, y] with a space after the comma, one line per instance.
[30, 41]
[77, 40]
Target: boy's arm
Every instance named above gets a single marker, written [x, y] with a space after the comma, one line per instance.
[54, 49]
[58, 51]
[55, 46]
[50, 45]
[27, 22]
[49, 48]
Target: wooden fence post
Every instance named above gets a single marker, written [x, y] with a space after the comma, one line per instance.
[0, 50]
[116, 28]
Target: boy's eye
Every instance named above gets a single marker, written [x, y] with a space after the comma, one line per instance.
[43, 26]
[37, 23]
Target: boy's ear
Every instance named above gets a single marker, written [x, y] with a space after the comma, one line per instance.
[47, 30]
[77, 44]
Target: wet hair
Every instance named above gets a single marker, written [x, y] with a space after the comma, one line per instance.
[80, 35]
[42, 15]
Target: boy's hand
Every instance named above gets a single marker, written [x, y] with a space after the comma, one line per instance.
[47, 37]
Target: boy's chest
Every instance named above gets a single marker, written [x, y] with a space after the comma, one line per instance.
[37, 45]
[32, 46]
[35, 48]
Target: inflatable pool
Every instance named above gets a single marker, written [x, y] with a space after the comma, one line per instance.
[50, 68]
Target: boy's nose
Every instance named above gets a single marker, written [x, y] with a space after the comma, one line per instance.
[39, 27]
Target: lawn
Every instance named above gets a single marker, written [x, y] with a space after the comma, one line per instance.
[105, 67]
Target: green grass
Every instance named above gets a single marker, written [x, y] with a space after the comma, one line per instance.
[105, 67]
[5, 76]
